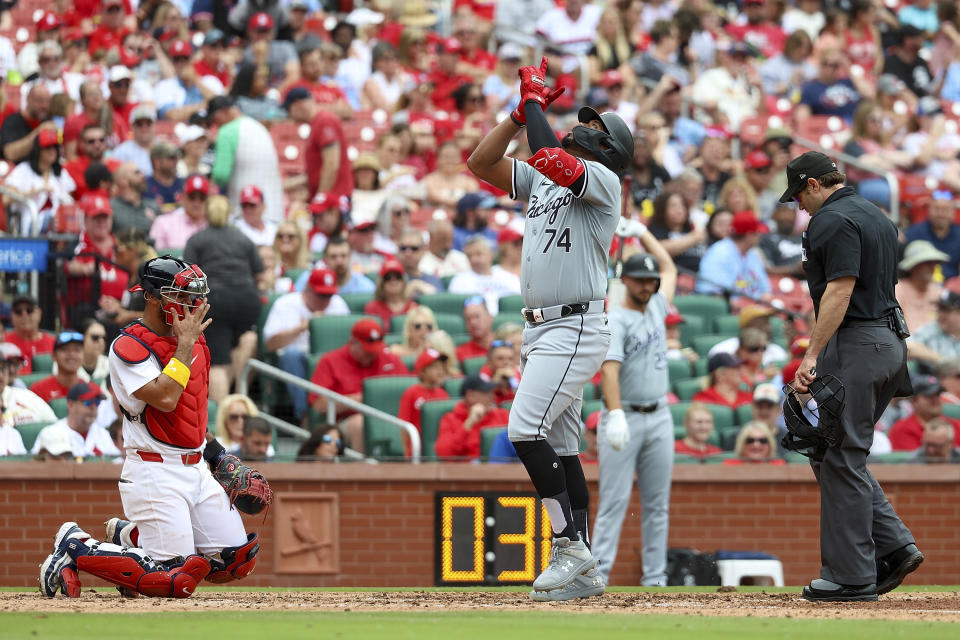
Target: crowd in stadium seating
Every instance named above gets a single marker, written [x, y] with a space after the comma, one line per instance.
[309, 155]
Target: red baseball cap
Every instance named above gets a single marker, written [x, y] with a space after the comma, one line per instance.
[508, 234]
[180, 48]
[391, 265]
[744, 222]
[673, 319]
[95, 205]
[756, 160]
[48, 21]
[48, 138]
[323, 201]
[611, 78]
[197, 183]
[799, 346]
[261, 20]
[323, 282]
[363, 226]
[369, 334]
[426, 358]
[450, 45]
[251, 194]
[592, 421]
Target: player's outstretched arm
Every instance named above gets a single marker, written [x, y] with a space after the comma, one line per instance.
[668, 270]
[487, 161]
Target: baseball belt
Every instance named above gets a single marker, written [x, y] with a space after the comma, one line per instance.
[644, 408]
[546, 314]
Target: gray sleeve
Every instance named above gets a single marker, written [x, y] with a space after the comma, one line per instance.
[601, 188]
[521, 180]
[618, 334]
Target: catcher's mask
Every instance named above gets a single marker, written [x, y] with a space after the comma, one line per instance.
[814, 419]
[166, 278]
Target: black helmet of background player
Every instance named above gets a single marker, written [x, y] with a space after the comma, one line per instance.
[642, 265]
[166, 278]
[612, 147]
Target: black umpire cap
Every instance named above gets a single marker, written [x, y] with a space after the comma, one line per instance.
[811, 164]
[641, 265]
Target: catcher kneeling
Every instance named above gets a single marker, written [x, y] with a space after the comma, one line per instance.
[182, 526]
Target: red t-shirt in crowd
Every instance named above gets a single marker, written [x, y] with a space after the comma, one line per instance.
[443, 86]
[113, 280]
[220, 72]
[411, 402]
[104, 38]
[81, 163]
[907, 434]
[768, 38]
[30, 348]
[472, 349]
[680, 446]
[339, 372]
[501, 394]
[480, 58]
[325, 130]
[382, 311]
[711, 396]
[321, 92]
[121, 120]
[49, 389]
[454, 440]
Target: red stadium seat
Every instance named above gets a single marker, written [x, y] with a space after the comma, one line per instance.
[916, 190]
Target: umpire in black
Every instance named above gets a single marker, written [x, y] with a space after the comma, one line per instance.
[850, 260]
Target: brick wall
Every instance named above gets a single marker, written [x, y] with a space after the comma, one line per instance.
[386, 515]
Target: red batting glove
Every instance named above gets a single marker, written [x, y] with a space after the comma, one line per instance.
[557, 165]
[533, 86]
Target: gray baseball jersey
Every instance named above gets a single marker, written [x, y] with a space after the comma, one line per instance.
[567, 236]
[639, 342]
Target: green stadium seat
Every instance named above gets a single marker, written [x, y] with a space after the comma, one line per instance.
[444, 302]
[505, 318]
[894, 457]
[679, 431]
[331, 332]
[262, 320]
[700, 367]
[679, 369]
[396, 324]
[471, 366]
[703, 344]
[176, 253]
[43, 363]
[357, 301]
[589, 406]
[683, 458]
[510, 305]
[951, 411]
[591, 392]
[452, 386]
[31, 378]
[726, 437]
[294, 274]
[408, 361]
[430, 415]
[383, 439]
[720, 457]
[686, 389]
[59, 406]
[29, 432]
[792, 457]
[392, 339]
[693, 326]
[708, 307]
[487, 438]
[211, 415]
[744, 414]
[452, 323]
[727, 325]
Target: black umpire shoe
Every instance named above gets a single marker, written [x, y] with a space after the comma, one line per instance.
[894, 567]
[825, 591]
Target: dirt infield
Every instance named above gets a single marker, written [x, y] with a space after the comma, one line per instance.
[930, 607]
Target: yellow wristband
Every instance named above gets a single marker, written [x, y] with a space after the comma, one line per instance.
[178, 371]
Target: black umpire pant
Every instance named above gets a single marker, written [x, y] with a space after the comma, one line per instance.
[857, 523]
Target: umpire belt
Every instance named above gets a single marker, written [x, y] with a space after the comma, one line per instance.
[546, 314]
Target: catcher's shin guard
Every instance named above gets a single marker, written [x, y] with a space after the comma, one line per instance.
[235, 563]
[134, 570]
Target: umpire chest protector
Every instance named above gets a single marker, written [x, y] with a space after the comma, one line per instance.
[185, 426]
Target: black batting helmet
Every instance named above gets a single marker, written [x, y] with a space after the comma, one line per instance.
[613, 147]
[642, 265]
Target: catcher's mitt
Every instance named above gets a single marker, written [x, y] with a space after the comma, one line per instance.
[814, 419]
[247, 489]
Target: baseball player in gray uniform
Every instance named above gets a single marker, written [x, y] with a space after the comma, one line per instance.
[635, 434]
[573, 196]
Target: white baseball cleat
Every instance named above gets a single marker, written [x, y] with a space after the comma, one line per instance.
[59, 571]
[585, 585]
[568, 559]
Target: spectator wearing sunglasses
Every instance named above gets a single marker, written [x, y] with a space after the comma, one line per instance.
[68, 360]
[431, 370]
[767, 406]
[393, 216]
[26, 334]
[754, 316]
[503, 369]
[390, 298]
[228, 425]
[418, 324]
[93, 363]
[325, 445]
[172, 230]
[343, 370]
[20, 405]
[725, 380]
[753, 343]
[85, 437]
[410, 251]
[755, 445]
